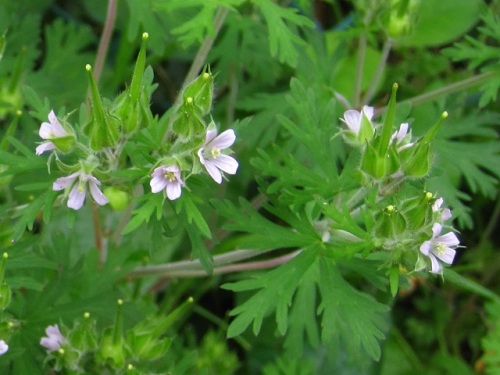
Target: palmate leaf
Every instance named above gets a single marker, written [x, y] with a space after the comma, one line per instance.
[491, 342]
[277, 288]
[283, 40]
[353, 318]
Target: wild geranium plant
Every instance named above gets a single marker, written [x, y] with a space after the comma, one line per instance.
[248, 187]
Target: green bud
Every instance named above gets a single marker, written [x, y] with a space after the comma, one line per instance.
[111, 346]
[83, 335]
[201, 90]
[102, 127]
[385, 136]
[372, 163]
[366, 130]
[5, 296]
[118, 199]
[389, 223]
[416, 160]
[418, 210]
[65, 144]
[188, 122]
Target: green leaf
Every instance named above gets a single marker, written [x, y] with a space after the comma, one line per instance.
[187, 205]
[283, 39]
[350, 317]
[277, 288]
[143, 213]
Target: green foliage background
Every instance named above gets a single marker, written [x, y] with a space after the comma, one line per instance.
[283, 74]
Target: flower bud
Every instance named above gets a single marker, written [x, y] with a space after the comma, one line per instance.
[416, 161]
[372, 163]
[202, 91]
[389, 223]
[118, 199]
[83, 335]
[111, 345]
[102, 128]
[188, 122]
[418, 210]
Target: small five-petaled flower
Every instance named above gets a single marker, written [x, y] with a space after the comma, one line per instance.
[49, 131]
[54, 338]
[211, 157]
[167, 177]
[353, 118]
[79, 181]
[3, 347]
[441, 247]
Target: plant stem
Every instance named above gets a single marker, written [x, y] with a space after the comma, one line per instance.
[360, 62]
[105, 38]
[194, 267]
[378, 73]
[446, 90]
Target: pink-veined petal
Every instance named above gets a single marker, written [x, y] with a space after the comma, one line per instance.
[436, 229]
[224, 140]
[426, 247]
[435, 266]
[352, 119]
[97, 194]
[63, 182]
[226, 163]
[174, 190]
[447, 255]
[157, 184]
[437, 204]
[45, 131]
[213, 171]
[448, 239]
[368, 111]
[45, 146]
[446, 214]
[211, 134]
[77, 196]
[200, 156]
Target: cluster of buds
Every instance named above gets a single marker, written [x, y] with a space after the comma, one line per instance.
[410, 231]
[83, 348]
[191, 143]
[387, 154]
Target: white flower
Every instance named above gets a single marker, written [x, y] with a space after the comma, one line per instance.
[3, 347]
[54, 338]
[167, 177]
[446, 213]
[352, 118]
[440, 247]
[50, 130]
[211, 157]
[77, 194]
[400, 135]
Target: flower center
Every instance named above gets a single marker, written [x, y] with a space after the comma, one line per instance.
[440, 248]
[169, 176]
[215, 152]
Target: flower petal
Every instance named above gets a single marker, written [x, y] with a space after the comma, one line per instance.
[174, 190]
[213, 171]
[437, 204]
[45, 131]
[448, 239]
[77, 196]
[447, 255]
[224, 140]
[435, 266]
[157, 184]
[200, 156]
[45, 146]
[211, 134]
[436, 229]
[368, 111]
[63, 182]
[226, 163]
[352, 119]
[446, 214]
[3, 347]
[97, 194]
[426, 247]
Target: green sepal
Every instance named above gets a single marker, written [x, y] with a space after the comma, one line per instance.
[64, 144]
[394, 280]
[188, 122]
[366, 129]
[372, 163]
[385, 136]
[389, 223]
[102, 128]
[416, 160]
[83, 335]
[418, 210]
[5, 296]
[202, 91]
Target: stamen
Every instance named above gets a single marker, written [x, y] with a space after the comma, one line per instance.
[215, 152]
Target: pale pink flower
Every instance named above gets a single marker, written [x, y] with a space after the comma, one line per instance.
[436, 207]
[54, 338]
[79, 181]
[401, 137]
[352, 118]
[167, 177]
[3, 347]
[441, 247]
[211, 157]
[50, 130]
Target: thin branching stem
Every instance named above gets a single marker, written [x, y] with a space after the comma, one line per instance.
[105, 38]
[360, 63]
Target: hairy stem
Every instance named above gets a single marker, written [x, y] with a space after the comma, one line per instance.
[360, 63]
[105, 38]
[446, 90]
[194, 267]
[378, 73]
